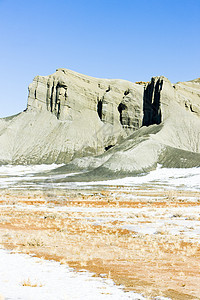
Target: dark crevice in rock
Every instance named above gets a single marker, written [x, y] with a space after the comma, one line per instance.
[191, 108]
[51, 99]
[108, 147]
[48, 96]
[151, 103]
[108, 89]
[121, 108]
[99, 108]
[126, 92]
[58, 113]
[56, 101]
[55, 97]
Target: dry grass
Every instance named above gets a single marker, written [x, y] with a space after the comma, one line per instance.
[28, 282]
[154, 264]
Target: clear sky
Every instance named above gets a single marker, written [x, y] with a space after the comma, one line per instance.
[127, 39]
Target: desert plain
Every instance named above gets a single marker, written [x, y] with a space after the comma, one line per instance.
[144, 238]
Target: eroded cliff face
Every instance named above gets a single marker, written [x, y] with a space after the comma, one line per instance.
[77, 115]
[65, 93]
[70, 115]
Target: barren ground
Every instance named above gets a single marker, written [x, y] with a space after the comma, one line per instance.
[145, 239]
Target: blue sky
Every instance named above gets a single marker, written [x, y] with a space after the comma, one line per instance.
[127, 39]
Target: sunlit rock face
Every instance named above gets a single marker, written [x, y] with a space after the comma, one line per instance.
[73, 115]
[123, 126]
[66, 92]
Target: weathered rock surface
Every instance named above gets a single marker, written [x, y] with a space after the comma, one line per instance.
[70, 115]
[76, 118]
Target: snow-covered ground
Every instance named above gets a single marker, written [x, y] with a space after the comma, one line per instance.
[23, 277]
[28, 278]
[171, 221]
[29, 176]
[163, 177]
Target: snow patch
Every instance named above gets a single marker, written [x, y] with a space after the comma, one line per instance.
[48, 280]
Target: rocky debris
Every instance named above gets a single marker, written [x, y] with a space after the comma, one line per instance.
[104, 126]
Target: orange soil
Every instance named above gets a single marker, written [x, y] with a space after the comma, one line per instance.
[152, 265]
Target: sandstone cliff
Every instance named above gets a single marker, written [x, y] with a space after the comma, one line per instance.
[119, 127]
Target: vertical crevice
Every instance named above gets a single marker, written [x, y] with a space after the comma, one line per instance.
[121, 108]
[48, 97]
[51, 98]
[151, 103]
[58, 111]
[56, 101]
[99, 108]
[156, 117]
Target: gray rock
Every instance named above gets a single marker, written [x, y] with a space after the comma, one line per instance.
[69, 115]
[107, 127]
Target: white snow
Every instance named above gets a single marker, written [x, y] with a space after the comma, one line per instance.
[54, 281]
[171, 178]
[26, 169]
[178, 221]
[27, 176]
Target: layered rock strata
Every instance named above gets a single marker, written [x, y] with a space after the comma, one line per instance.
[71, 115]
[108, 126]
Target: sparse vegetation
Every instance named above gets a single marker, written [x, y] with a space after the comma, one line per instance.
[30, 283]
[128, 235]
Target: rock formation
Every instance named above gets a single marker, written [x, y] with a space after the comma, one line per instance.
[70, 115]
[112, 127]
